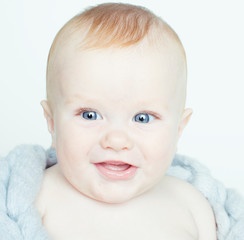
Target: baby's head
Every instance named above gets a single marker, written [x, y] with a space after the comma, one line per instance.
[116, 86]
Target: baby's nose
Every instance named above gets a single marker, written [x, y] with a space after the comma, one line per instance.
[116, 140]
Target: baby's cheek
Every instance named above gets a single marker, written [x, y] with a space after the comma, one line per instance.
[162, 150]
[75, 142]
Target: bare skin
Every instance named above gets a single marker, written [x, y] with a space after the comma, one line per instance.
[172, 210]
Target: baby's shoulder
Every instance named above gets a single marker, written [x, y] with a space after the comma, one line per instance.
[50, 178]
[197, 204]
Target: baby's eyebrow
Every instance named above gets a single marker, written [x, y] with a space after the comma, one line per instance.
[142, 105]
[81, 99]
[150, 105]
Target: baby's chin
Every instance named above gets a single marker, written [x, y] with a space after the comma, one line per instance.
[117, 197]
[113, 199]
[108, 195]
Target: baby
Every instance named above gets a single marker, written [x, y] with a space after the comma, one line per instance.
[115, 108]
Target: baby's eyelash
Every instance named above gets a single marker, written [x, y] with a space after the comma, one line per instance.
[81, 110]
[85, 109]
[157, 116]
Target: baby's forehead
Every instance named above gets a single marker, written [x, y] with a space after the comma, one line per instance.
[161, 58]
[166, 56]
[78, 68]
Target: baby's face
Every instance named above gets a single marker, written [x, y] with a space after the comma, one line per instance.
[116, 120]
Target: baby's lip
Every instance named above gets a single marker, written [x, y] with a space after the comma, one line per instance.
[116, 170]
[115, 162]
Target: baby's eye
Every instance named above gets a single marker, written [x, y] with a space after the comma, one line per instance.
[91, 115]
[144, 118]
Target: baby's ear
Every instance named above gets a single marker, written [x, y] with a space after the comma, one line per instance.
[49, 117]
[184, 120]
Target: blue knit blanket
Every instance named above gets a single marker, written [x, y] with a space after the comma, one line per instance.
[21, 173]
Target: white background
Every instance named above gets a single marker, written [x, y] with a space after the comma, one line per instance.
[212, 32]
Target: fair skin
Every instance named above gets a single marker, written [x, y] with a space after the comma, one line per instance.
[119, 105]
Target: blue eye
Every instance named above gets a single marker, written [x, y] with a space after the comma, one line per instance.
[91, 115]
[144, 118]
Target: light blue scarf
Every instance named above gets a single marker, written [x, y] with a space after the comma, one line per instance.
[21, 173]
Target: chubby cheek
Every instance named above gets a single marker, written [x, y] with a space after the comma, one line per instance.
[159, 151]
[72, 145]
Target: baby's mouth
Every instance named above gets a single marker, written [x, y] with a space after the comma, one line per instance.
[115, 166]
[116, 170]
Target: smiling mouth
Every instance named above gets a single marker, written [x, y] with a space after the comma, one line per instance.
[115, 170]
